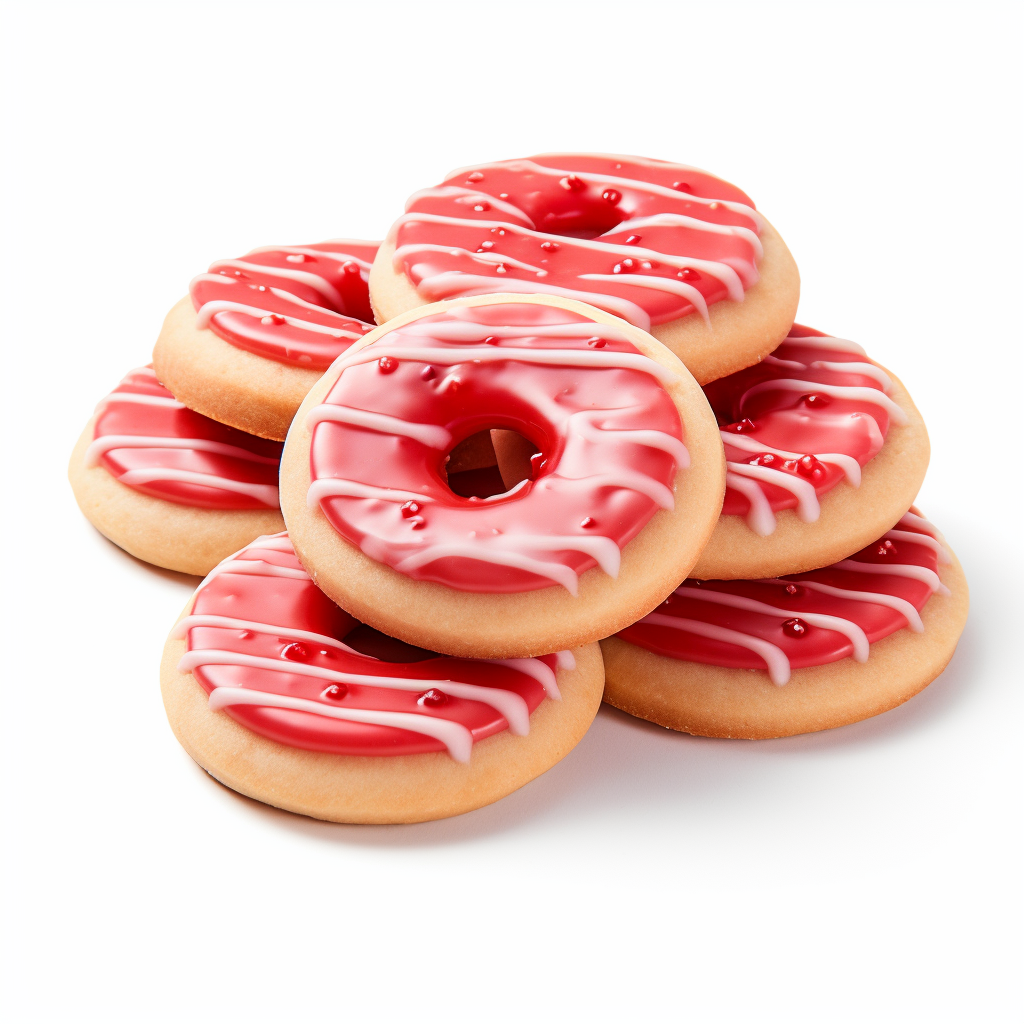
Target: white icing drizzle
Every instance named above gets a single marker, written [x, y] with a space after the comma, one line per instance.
[914, 572]
[661, 284]
[333, 488]
[808, 508]
[760, 517]
[480, 257]
[451, 283]
[509, 353]
[314, 281]
[266, 493]
[470, 330]
[457, 738]
[108, 442]
[508, 704]
[468, 197]
[847, 463]
[905, 608]
[168, 403]
[317, 254]
[917, 538]
[775, 659]
[583, 424]
[849, 629]
[858, 394]
[210, 309]
[426, 433]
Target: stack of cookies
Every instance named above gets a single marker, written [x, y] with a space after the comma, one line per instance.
[556, 439]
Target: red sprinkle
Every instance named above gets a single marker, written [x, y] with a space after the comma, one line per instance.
[816, 401]
[795, 628]
[550, 246]
[387, 364]
[275, 318]
[295, 652]
[428, 373]
[688, 274]
[611, 195]
[793, 590]
[627, 266]
[410, 509]
[475, 176]
[681, 186]
[589, 523]
[596, 342]
[632, 239]
[335, 692]
[886, 548]
[811, 468]
[432, 699]
[572, 184]
[351, 267]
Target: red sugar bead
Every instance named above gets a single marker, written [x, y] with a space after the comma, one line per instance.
[795, 628]
[387, 364]
[432, 699]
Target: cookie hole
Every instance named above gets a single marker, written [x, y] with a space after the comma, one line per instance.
[471, 467]
[516, 456]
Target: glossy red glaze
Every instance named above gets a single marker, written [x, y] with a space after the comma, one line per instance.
[802, 422]
[301, 305]
[453, 237]
[277, 605]
[804, 644]
[142, 407]
[575, 479]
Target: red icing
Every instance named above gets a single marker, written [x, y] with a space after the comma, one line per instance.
[803, 644]
[295, 603]
[804, 422]
[254, 466]
[287, 311]
[537, 401]
[514, 208]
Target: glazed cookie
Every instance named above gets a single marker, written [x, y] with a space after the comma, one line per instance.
[671, 249]
[169, 485]
[624, 493]
[753, 659]
[824, 449]
[254, 334]
[282, 696]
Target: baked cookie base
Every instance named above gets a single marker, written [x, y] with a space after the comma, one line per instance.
[736, 335]
[379, 790]
[517, 625]
[850, 519]
[179, 537]
[739, 703]
[226, 383]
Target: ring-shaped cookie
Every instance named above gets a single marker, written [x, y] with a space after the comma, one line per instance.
[755, 659]
[670, 249]
[282, 696]
[254, 334]
[824, 450]
[624, 493]
[169, 485]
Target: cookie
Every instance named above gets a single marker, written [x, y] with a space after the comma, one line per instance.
[624, 492]
[282, 696]
[254, 334]
[672, 250]
[168, 485]
[825, 451]
[754, 659]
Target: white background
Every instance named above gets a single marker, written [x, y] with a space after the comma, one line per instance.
[870, 873]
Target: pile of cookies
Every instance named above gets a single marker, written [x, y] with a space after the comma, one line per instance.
[556, 439]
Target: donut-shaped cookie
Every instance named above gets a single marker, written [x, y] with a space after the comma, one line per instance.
[168, 485]
[753, 659]
[673, 250]
[284, 697]
[625, 489]
[254, 334]
[825, 450]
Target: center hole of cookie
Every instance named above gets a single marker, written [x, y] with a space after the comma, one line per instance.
[472, 467]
